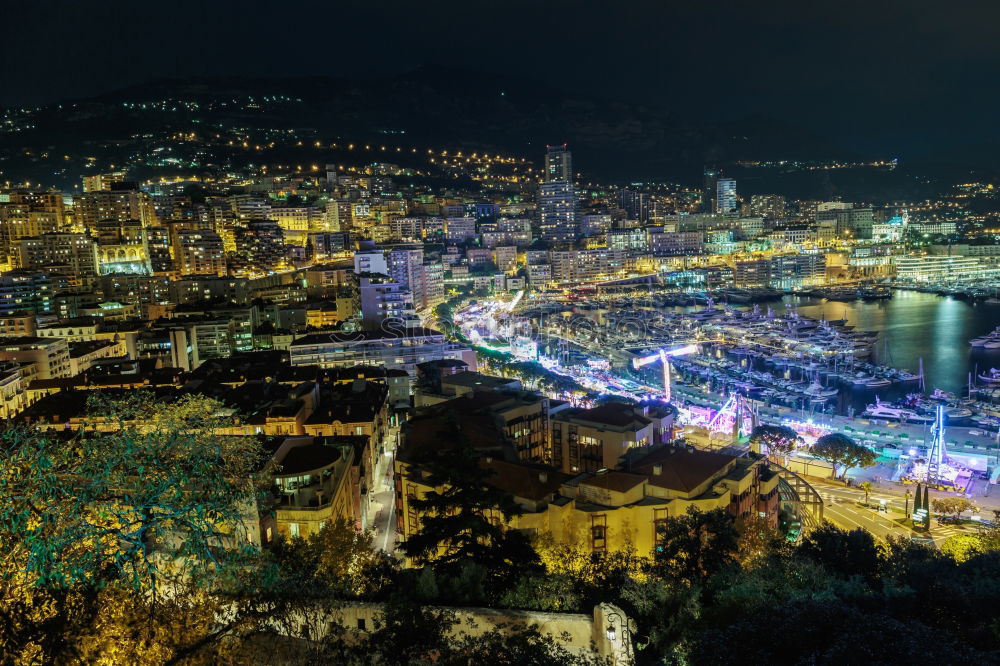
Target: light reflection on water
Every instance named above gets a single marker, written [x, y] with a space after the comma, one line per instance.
[914, 325]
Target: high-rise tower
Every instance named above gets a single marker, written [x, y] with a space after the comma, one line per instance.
[557, 197]
[558, 164]
[725, 197]
[709, 192]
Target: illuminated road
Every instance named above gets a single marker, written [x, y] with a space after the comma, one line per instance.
[841, 508]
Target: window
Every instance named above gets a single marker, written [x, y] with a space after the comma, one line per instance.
[293, 529]
[361, 624]
[598, 533]
[660, 518]
[268, 535]
[359, 430]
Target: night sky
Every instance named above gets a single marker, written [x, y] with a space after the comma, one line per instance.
[881, 75]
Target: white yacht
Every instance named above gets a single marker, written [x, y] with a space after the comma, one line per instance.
[987, 340]
[817, 390]
[881, 410]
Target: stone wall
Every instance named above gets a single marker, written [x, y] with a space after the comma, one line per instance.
[608, 631]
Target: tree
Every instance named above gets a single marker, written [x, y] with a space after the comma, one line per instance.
[464, 519]
[337, 561]
[952, 505]
[825, 631]
[867, 487]
[156, 494]
[584, 577]
[845, 552]
[696, 546]
[841, 450]
[778, 441]
[757, 541]
[129, 544]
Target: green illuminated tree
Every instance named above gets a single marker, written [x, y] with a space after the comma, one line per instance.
[155, 494]
[130, 544]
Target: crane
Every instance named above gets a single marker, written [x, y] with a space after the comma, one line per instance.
[663, 356]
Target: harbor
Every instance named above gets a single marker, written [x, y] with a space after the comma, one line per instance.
[812, 363]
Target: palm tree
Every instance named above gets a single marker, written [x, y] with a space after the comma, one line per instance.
[867, 487]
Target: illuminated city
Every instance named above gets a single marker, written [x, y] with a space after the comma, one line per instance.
[682, 352]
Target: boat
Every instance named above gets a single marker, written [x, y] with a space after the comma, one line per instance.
[986, 340]
[817, 390]
[992, 377]
[881, 410]
[878, 382]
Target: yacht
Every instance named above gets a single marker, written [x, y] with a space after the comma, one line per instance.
[817, 390]
[958, 412]
[992, 377]
[987, 340]
[880, 410]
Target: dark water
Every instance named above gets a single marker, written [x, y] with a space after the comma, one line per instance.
[912, 326]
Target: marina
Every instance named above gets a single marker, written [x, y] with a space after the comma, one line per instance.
[816, 363]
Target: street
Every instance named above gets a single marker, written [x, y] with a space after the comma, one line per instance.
[842, 509]
[384, 498]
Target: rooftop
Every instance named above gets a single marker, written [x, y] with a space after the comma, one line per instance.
[307, 458]
[619, 482]
[468, 378]
[682, 470]
[524, 480]
[614, 414]
[361, 336]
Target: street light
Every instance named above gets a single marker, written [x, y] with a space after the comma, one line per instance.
[628, 628]
[908, 495]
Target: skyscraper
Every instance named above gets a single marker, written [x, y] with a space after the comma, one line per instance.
[557, 197]
[635, 204]
[558, 164]
[557, 211]
[725, 201]
[709, 193]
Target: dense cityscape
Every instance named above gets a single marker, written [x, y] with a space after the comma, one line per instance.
[294, 374]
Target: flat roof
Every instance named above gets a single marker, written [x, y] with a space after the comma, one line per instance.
[359, 336]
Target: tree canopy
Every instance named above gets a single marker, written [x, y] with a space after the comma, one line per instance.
[463, 519]
[154, 493]
[842, 451]
[776, 441]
